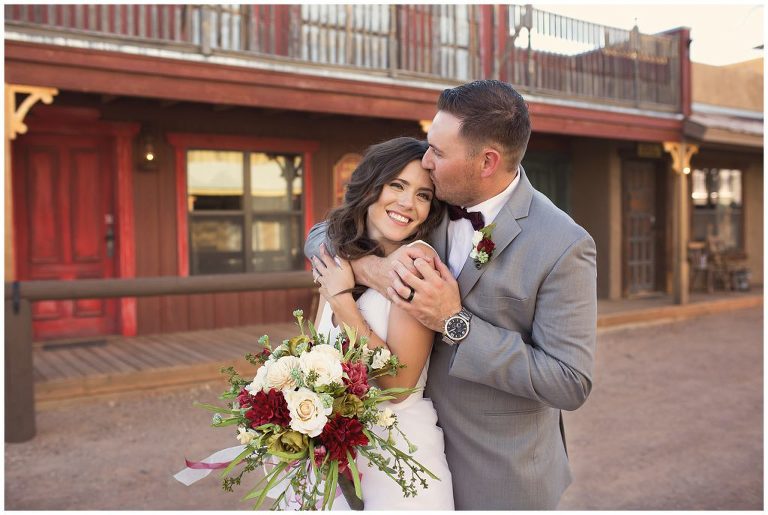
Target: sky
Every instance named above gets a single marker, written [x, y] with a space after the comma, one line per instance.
[721, 33]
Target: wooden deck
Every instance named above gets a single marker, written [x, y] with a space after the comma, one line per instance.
[66, 371]
[112, 365]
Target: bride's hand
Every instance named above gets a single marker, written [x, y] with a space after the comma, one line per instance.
[335, 274]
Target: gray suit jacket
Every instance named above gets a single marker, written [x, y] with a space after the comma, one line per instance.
[529, 354]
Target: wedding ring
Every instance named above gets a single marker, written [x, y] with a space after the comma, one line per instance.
[410, 297]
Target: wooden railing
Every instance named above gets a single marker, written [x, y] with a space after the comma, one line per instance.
[537, 51]
[547, 52]
[19, 384]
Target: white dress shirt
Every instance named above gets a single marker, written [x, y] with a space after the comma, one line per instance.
[460, 231]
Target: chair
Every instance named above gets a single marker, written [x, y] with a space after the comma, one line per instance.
[720, 263]
[698, 258]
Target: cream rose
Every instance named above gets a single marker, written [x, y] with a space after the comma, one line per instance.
[328, 349]
[278, 374]
[381, 358]
[257, 384]
[308, 416]
[325, 364]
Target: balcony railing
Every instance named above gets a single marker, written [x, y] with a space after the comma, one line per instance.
[553, 53]
[539, 52]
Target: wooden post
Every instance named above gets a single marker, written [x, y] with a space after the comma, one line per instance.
[14, 124]
[681, 165]
[19, 383]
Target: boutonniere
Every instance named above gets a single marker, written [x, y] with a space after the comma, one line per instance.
[482, 245]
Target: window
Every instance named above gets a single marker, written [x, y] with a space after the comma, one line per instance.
[246, 211]
[549, 173]
[717, 206]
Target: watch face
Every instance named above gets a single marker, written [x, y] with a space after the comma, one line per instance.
[457, 328]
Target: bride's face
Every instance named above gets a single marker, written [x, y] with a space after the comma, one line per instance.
[402, 206]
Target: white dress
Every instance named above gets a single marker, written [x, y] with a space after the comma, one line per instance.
[416, 418]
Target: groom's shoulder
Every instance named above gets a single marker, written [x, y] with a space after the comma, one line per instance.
[545, 216]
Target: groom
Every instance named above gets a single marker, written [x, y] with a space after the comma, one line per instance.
[516, 332]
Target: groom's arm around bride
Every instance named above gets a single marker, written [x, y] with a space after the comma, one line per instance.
[526, 317]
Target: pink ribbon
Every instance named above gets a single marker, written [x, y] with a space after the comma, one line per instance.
[199, 465]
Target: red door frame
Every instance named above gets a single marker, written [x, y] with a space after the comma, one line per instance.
[182, 142]
[57, 120]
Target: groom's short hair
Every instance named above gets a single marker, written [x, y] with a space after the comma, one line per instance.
[491, 111]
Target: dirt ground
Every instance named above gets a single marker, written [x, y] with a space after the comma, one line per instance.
[675, 421]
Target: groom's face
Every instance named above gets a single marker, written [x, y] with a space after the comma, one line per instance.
[450, 164]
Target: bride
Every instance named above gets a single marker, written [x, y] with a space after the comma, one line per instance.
[389, 202]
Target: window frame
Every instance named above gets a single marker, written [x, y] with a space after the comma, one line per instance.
[183, 142]
[720, 164]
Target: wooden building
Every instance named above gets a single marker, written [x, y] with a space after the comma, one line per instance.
[186, 139]
[727, 172]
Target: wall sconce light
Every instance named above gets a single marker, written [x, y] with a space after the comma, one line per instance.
[147, 158]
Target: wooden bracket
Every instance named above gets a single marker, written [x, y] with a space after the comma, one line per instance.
[14, 116]
[681, 153]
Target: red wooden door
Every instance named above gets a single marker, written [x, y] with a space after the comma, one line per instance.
[63, 211]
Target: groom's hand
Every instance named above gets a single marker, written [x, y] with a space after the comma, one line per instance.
[376, 272]
[435, 292]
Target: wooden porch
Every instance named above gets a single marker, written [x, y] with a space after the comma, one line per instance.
[70, 371]
[102, 366]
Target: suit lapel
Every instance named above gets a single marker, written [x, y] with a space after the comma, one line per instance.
[440, 239]
[506, 230]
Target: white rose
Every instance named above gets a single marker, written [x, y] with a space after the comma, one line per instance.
[386, 418]
[257, 384]
[328, 349]
[476, 238]
[326, 365]
[279, 373]
[308, 415]
[381, 358]
[246, 436]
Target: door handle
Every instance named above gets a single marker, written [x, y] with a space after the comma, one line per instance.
[109, 237]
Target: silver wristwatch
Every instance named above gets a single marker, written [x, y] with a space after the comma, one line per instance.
[457, 327]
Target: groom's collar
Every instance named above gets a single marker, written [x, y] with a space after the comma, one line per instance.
[490, 208]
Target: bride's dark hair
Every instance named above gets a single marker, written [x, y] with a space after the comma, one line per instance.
[383, 162]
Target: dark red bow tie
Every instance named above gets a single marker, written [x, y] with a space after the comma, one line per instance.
[476, 217]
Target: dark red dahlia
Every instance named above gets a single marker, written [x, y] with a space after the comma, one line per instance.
[357, 384]
[268, 408]
[486, 245]
[342, 434]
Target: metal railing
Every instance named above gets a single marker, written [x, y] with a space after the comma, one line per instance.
[552, 53]
[535, 50]
[19, 368]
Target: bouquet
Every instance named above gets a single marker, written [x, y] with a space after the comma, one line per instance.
[307, 414]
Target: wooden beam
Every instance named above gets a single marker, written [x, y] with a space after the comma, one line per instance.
[108, 99]
[146, 76]
[173, 81]
[681, 166]
[153, 286]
